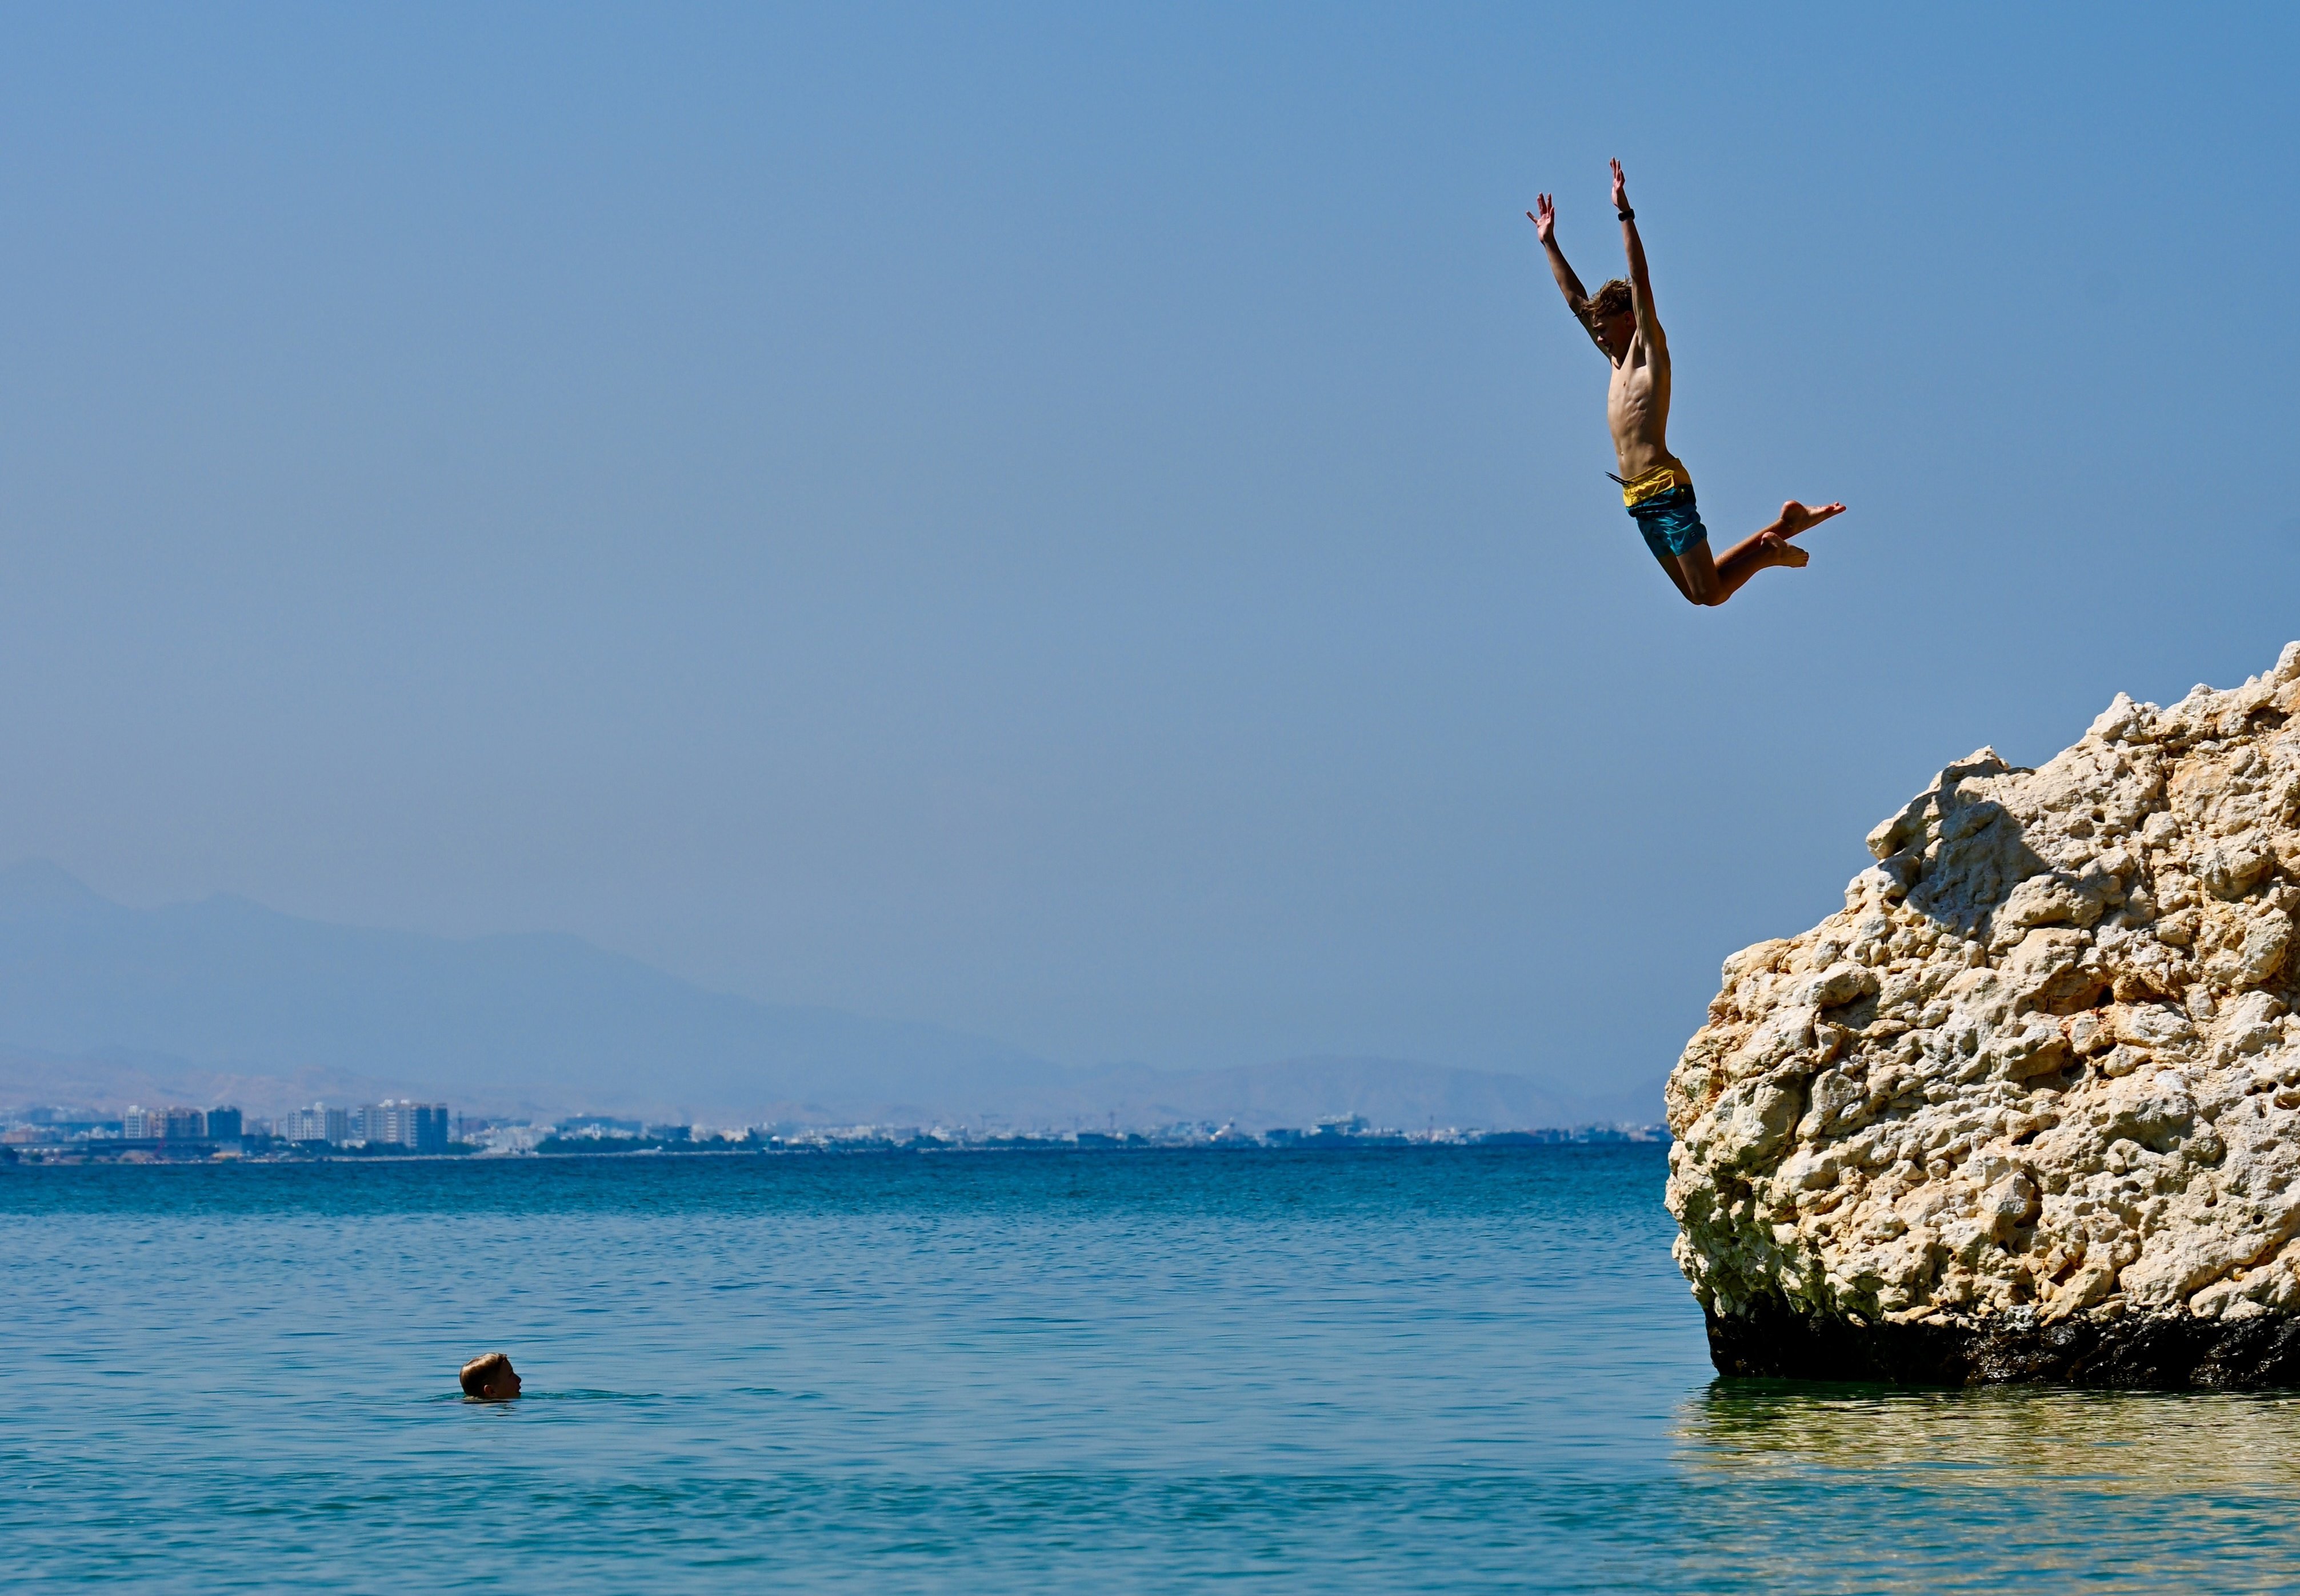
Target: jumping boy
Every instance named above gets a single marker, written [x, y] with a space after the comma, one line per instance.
[1655, 482]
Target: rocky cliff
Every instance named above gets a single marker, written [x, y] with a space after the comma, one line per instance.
[2029, 1107]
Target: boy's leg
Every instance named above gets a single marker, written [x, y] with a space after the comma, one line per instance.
[1697, 575]
[1667, 522]
[1708, 581]
[1682, 570]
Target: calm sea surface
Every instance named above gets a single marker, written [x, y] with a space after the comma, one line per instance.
[1383, 1370]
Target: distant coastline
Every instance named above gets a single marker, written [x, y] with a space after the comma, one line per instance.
[80, 1141]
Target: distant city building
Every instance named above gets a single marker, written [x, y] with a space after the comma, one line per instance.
[386, 1123]
[418, 1126]
[503, 1137]
[164, 1124]
[318, 1123]
[599, 1125]
[224, 1125]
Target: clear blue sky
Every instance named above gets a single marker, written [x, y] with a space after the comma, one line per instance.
[1090, 527]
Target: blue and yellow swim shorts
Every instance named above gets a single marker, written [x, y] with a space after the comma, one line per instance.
[1661, 503]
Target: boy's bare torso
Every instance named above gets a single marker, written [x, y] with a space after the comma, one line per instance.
[1637, 408]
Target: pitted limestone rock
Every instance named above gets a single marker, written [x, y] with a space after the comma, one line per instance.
[2029, 1107]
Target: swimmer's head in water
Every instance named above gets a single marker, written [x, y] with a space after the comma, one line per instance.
[490, 1378]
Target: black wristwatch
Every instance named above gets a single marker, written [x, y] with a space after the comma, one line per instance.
[1626, 214]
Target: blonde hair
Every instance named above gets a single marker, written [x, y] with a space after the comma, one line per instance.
[481, 1371]
[1610, 301]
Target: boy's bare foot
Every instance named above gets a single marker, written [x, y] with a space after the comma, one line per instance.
[1796, 518]
[1780, 551]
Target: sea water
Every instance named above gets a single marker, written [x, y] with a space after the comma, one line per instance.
[1388, 1369]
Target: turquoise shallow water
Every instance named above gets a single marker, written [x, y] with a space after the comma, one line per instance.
[1381, 1370]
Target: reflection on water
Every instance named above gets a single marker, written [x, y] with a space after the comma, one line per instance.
[1869, 1488]
[2142, 1440]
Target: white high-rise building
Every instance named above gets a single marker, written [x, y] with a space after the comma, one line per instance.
[418, 1126]
[318, 1123]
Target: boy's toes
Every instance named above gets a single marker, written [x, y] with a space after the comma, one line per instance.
[1784, 551]
[1796, 518]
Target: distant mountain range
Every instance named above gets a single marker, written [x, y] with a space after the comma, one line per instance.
[225, 1001]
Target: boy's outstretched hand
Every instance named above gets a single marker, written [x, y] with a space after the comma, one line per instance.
[1544, 223]
[1621, 189]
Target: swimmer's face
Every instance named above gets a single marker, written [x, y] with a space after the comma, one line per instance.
[1615, 332]
[504, 1386]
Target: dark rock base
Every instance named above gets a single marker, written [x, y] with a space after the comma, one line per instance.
[2171, 1351]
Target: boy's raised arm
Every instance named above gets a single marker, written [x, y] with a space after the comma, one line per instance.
[1640, 282]
[1576, 297]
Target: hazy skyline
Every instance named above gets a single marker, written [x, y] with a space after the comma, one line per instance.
[1091, 529]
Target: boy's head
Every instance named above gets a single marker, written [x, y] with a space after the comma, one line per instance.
[490, 1378]
[1613, 316]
